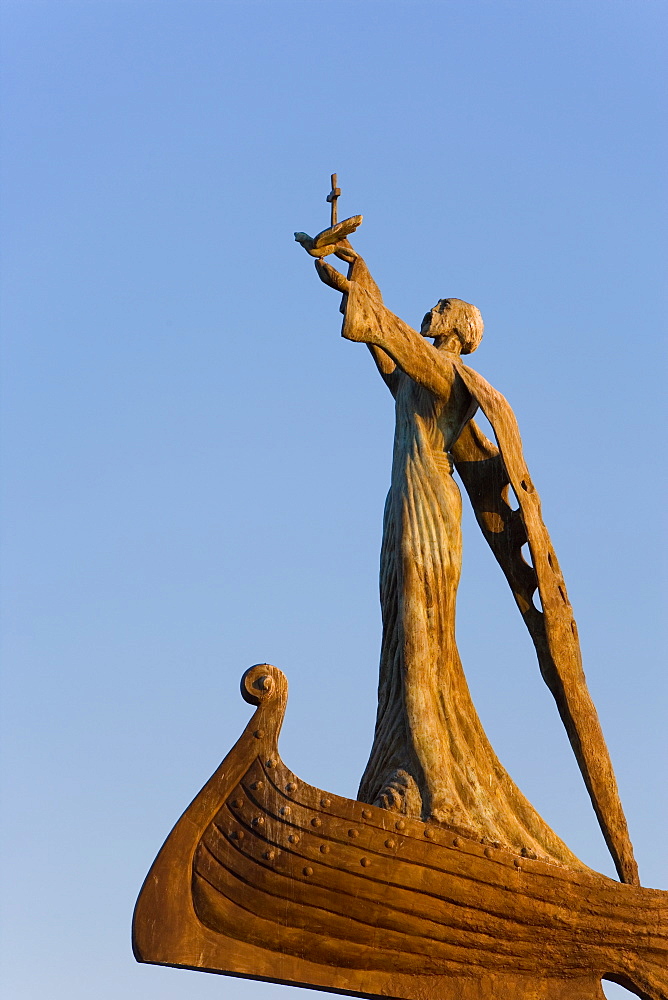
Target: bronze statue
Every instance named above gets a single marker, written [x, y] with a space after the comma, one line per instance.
[441, 881]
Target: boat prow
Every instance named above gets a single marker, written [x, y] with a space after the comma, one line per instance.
[269, 877]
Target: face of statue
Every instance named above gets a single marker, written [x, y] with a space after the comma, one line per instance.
[455, 325]
[435, 324]
[426, 324]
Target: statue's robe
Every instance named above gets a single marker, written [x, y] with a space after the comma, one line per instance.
[430, 755]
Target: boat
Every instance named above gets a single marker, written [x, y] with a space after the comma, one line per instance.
[267, 877]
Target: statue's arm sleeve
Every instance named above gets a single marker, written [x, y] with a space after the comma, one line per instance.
[392, 343]
[366, 320]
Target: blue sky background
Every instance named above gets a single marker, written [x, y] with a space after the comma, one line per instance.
[196, 463]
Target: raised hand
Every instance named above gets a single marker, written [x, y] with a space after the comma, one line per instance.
[330, 276]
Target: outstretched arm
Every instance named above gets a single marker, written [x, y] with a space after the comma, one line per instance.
[368, 321]
[330, 276]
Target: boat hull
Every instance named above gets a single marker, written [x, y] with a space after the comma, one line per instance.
[268, 877]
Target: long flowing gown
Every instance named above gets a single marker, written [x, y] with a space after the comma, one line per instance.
[431, 757]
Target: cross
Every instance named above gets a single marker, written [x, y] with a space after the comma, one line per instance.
[331, 198]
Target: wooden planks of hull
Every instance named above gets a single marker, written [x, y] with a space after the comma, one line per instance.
[264, 853]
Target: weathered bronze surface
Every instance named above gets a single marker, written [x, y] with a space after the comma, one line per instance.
[441, 881]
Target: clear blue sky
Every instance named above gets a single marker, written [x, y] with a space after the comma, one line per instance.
[196, 463]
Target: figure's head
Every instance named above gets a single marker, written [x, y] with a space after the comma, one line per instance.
[454, 321]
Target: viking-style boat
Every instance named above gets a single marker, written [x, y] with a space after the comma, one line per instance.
[269, 877]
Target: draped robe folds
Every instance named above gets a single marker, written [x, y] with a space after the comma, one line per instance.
[431, 757]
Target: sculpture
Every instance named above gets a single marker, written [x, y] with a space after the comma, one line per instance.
[442, 880]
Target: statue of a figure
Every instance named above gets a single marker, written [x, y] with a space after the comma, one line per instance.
[430, 757]
[441, 880]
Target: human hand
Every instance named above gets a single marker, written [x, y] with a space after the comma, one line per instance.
[330, 276]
